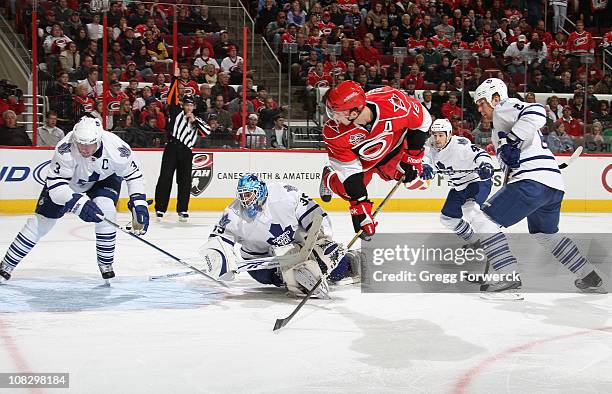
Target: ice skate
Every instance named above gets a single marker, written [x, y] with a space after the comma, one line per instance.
[324, 192]
[592, 283]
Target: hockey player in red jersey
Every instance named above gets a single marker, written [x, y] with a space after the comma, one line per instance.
[383, 132]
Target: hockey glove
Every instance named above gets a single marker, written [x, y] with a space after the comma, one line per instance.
[485, 171]
[510, 155]
[361, 214]
[139, 206]
[87, 210]
[410, 165]
[428, 172]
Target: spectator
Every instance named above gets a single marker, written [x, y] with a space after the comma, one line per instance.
[92, 51]
[530, 97]
[49, 134]
[115, 13]
[458, 129]
[204, 59]
[144, 62]
[98, 109]
[578, 108]
[255, 137]
[139, 17]
[441, 95]
[594, 141]
[151, 128]
[572, 126]
[70, 59]
[537, 83]
[11, 134]
[468, 33]
[416, 76]
[393, 40]
[265, 15]
[559, 12]
[451, 108]
[426, 27]
[11, 99]
[431, 106]
[440, 41]
[417, 43]
[210, 74]
[129, 43]
[73, 26]
[95, 29]
[222, 115]
[538, 51]
[515, 55]
[559, 141]
[482, 132]
[498, 45]
[207, 21]
[222, 46]
[605, 85]
[60, 100]
[554, 110]
[592, 101]
[580, 42]
[481, 47]
[94, 89]
[381, 33]
[130, 73]
[219, 136]
[232, 64]
[296, 15]
[367, 55]
[62, 12]
[236, 105]
[204, 101]
[82, 103]
[279, 133]
[269, 112]
[223, 88]
[159, 88]
[140, 102]
[152, 109]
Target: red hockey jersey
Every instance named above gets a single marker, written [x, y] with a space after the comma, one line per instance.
[354, 148]
[580, 43]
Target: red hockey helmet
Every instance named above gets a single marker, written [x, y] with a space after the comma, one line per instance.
[346, 96]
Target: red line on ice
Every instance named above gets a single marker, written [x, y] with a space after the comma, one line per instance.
[468, 377]
[13, 350]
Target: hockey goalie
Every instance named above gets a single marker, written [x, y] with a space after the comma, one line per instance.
[272, 222]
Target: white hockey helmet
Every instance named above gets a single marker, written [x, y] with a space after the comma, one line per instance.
[87, 131]
[442, 126]
[488, 88]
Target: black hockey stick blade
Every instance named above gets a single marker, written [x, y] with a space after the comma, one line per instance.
[280, 323]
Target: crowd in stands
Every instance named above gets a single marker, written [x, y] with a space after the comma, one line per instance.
[336, 40]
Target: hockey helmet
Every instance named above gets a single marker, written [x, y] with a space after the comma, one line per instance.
[251, 193]
[490, 87]
[87, 132]
[347, 96]
[441, 126]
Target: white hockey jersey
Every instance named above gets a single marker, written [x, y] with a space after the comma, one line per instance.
[523, 121]
[285, 218]
[69, 172]
[459, 154]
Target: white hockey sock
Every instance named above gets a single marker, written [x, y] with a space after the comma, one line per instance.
[20, 247]
[105, 248]
[566, 252]
[35, 228]
[464, 230]
[498, 252]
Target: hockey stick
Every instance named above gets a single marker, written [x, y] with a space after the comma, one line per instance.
[268, 262]
[562, 166]
[166, 253]
[280, 323]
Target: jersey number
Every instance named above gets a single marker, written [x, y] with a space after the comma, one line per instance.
[57, 168]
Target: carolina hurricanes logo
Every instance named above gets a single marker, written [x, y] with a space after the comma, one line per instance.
[87, 106]
[113, 106]
[356, 138]
[397, 103]
[374, 149]
[201, 172]
[580, 41]
[321, 84]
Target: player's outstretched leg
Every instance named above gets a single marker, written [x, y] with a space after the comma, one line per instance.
[105, 238]
[324, 190]
[35, 228]
[567, 253]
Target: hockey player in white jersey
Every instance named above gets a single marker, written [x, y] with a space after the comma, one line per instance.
[534, 188]
[272, 220]
[85, 178]
[470, 189]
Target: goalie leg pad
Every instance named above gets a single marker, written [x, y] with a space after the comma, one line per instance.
[301, 278]
[217, 259]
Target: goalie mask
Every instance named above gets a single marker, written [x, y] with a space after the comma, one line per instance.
[441, 133]
[252, 194]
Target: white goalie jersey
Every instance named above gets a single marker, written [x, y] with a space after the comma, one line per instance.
[285, 218]
[69, 172]
[523, 121]
[459, 154]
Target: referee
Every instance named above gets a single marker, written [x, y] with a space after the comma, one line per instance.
[183, 129]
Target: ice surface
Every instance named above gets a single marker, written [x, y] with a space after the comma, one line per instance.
[187, 336]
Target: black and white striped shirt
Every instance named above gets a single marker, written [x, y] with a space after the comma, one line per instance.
[186, 132]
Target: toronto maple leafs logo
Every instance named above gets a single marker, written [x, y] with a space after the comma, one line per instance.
[124, 151]
[94, 177]
[223, 222]
[280, 236]
[63, 148]
[290, 188]
[397, 103]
